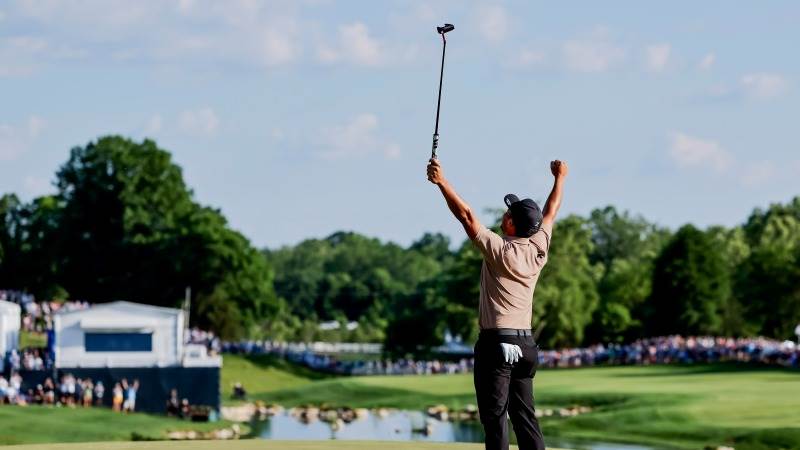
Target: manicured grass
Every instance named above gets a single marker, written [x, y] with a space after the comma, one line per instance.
[40, 424]
[262, 374]
[666, 406]
[254, 445]
[670, 406]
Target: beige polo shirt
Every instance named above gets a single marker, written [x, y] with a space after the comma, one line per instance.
[511, 268]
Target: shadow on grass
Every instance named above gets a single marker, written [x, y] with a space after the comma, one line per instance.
[778, 438]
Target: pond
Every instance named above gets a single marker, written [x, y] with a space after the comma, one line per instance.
[399, 425]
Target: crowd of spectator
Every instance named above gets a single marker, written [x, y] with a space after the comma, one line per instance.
[177, 407]
[657, 350]
[37, 316]
[678, 349]
[68, 391]
[26, 359]
[206, 338]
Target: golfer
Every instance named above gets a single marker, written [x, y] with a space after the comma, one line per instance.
[506, 355]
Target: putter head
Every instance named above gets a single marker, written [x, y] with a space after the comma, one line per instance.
[445, 28]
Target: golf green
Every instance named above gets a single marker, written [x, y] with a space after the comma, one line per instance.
[253, 445]
[683, 407]
[671, 406]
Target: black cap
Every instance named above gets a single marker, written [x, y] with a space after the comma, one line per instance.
[525, 214]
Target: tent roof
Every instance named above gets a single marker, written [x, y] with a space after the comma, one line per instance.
[122, 305]
[9, 307]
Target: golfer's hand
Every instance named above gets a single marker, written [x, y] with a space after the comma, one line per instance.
[435, 172]
[559, 168]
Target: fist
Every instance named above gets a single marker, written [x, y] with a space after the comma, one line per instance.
[435, 172]
[559, 168]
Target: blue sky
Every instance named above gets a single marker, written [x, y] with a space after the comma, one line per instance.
[301, 118]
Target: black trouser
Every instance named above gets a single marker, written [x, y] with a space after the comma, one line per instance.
[504, 389]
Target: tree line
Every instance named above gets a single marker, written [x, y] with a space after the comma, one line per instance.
[123, 225]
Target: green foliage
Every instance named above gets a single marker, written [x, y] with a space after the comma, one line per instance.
[625, 247]
[124, 226]
[349, 277]
[690, 283]
[767, 282]
[566, 295]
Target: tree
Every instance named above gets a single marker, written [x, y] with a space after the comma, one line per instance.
[352, 277]
[735, 249]
[625, 246]
[460, 285]
[128, 228]
[566, 295]
[768, 284]
[690, 283]
[418, 326]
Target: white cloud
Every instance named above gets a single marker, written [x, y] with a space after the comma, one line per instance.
[356, 138]
[392, 151]
[186, 6]
[20, 55]
[762, 86]
[424, 12]
[154, 124]
[658, 57]
[241, 31]
[202, 121]
[11, 144]
[758, 173]
[278, 47]
[327, 54]
[707, 62]
[15, 139]
[35, 126]
[689, 151]
[493, 23]
[595, 54]
[528, 57]
[358, 46]
[353, 138]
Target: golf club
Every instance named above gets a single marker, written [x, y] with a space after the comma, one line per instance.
[441, 30]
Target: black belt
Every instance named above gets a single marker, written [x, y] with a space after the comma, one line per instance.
[506, 332]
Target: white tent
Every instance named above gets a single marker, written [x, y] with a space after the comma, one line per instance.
[9, 326]
[123, 334]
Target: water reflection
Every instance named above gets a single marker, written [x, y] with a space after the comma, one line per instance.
[399, 425]
[394, 425]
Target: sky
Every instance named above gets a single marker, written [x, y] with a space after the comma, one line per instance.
[298, 119]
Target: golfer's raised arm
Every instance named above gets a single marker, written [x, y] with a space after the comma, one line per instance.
[559, 170]
[457, 206]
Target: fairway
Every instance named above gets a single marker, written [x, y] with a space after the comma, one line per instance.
[670, 406]
[683, 407]
[253, 445]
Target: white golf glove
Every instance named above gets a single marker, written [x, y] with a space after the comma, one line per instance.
[511, 352]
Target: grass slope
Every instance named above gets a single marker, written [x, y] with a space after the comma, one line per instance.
[254, 445]
[262, 374]
[671, 406]
[34, 424]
